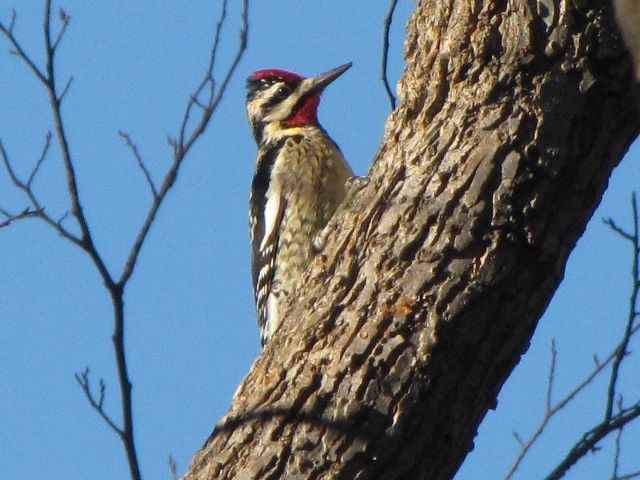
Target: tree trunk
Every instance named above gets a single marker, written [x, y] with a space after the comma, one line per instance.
[512, 116]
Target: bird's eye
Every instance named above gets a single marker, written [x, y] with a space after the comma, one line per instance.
[283, 91]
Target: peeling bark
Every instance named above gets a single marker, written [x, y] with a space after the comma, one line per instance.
[512, 116]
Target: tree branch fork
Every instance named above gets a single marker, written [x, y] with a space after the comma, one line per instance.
[205, 99]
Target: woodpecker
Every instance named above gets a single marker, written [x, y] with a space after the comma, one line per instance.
[298, 184]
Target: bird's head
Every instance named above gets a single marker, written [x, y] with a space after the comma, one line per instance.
[285, 99]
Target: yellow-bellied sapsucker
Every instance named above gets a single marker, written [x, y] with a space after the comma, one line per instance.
[298, 183]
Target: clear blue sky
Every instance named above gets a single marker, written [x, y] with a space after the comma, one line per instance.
[191, 334]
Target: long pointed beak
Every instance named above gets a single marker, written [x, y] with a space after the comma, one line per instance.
[316, 84]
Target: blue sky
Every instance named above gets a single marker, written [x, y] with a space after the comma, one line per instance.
[191, 334]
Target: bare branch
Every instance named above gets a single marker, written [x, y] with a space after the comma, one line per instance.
[560, 405]
[385, 53]
[618, 444]
[38, 209]
[180, 150]
[13, 20]
[136, 153]
[18, 50]
[629, 476]
[62, 218]
[622, 349]
[617, 229]
[198, 102]
[208, 78]
[98, 405]
[10, 171]
[173, 468]
[516, 435]
[43, 155]
[26, 213]
[64, 18]
[181, 146]
[85, 239]
[215, 98]
[6, 213]
[610, 422]
[173, 143]
[126, 403]
[26, 188]
[552, 371]
[590, 439]
[65, 89]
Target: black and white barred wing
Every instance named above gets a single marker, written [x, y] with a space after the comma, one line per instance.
[266, 211]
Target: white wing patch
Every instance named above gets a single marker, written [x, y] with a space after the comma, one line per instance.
[273, 317]
[271, 216]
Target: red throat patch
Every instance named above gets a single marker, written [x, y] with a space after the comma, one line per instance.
[307, 114]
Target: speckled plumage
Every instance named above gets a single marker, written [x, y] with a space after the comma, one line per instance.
[298, 184]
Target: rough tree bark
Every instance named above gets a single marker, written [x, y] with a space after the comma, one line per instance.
[512, 116]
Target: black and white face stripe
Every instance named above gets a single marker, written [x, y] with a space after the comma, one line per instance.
[271, 99]
[276, 95]
[281, 93]
[267, 93]
[257, 87]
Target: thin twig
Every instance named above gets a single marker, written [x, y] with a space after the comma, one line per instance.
[385, 53]
[136, 153]
[610, 422]
[208, 78]
[12, 217]
[198, 103]
[49, 79]
[37, 207]
[173, 468]
[72, 184]
[62, 218]
[85, 239]
[65, 89]
[180, 149]
[629, 476]
[18, 50]
[618, 446]
[13, 20]
[43, 155]
[622, 350]
[10, 171]
[98, 405]
[617, 229]
[181, 146]
[560, 405]
[516, 435]
[64, 18]
[552, 372]
[7, 214]
[590, 439]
